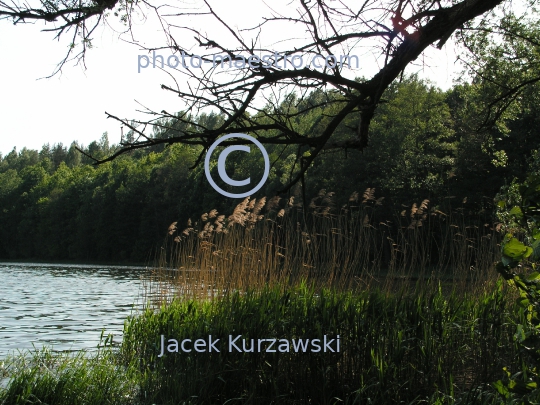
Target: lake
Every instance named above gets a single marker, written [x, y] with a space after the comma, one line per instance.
[64, 306]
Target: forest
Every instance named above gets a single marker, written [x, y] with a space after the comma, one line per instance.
[425, 144]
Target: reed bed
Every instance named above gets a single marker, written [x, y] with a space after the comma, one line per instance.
[280, 242]
[415, 299]
[395, 348]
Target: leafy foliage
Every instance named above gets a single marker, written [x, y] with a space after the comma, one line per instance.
[520, 254]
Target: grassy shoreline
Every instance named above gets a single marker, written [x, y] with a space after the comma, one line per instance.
[411, 348]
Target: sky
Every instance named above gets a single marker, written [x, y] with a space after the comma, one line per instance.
[35, 110]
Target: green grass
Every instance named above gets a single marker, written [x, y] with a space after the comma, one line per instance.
[394, 348]
[425, 347]
[46, 377]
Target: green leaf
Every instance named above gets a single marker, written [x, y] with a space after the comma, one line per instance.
[501, 388]
[516, 250]
[517, 212]
[523, 302]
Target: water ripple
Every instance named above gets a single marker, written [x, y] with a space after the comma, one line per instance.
[65, 306]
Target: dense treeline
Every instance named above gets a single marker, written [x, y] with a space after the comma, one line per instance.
[425, 143]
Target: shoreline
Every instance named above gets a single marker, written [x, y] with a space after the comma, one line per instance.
[73, 262]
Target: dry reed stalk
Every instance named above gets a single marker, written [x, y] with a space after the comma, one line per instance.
[345, 251]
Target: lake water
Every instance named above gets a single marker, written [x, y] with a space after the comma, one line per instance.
[64, 306]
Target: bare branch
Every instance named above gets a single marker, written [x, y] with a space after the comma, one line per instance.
[396, 32]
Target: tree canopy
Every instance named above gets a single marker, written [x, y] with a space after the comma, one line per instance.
[55, 204]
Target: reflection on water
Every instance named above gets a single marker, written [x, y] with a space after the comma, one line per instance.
[65, 306]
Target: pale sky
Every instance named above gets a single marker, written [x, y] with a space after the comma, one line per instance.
[71, 106]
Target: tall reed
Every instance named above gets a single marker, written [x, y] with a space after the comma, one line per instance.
[280, 242]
